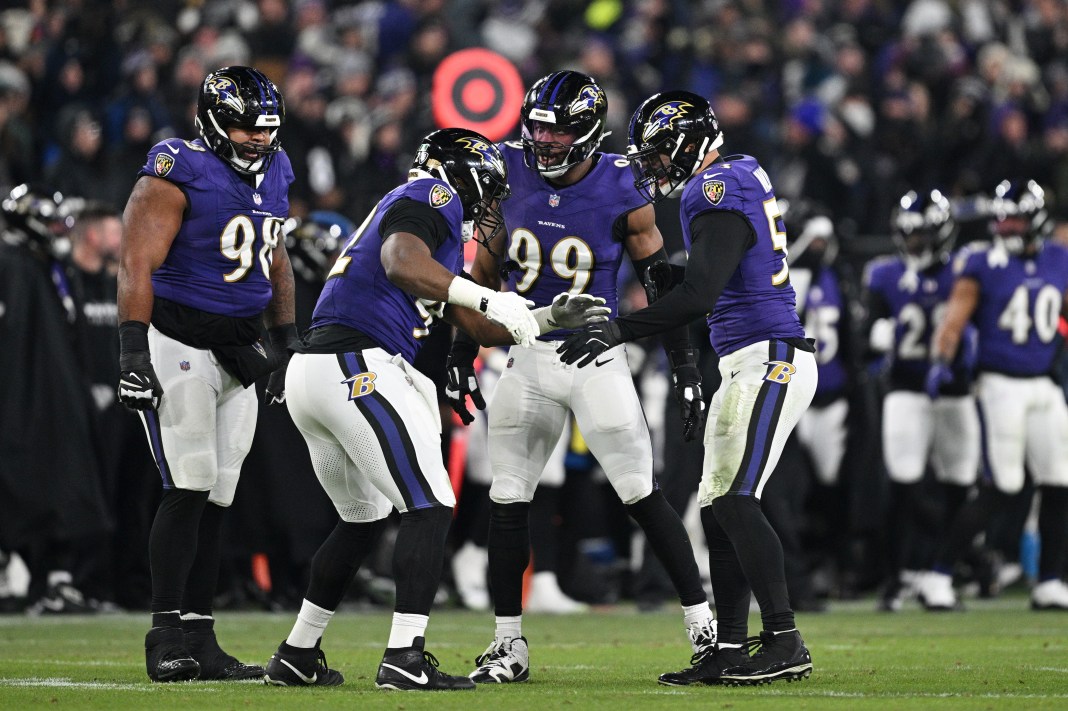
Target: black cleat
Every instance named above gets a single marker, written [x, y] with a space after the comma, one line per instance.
[708, 666]
[296, 666]
[781, 656]
[166, 657]
[412, 669]
[215, 664]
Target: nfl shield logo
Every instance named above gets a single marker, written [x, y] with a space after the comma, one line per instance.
[163, 164]
[257, 199]
[713, 191]
[184, 365]
[554, 200]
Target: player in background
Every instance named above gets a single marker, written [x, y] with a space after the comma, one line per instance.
[371, 420]
[202, 270]
[797, 499]
[1014, 292]
[906, 298]
[572, 216]
[736, 276]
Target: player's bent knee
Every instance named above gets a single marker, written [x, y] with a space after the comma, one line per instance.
[632, 488]
[197, 471]
[512, 488]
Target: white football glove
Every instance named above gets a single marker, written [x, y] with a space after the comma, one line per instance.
[512, 311]
[571, 311]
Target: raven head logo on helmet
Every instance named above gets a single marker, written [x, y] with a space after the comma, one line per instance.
[567, 102]
[590, 98]
[474, 168]
[240, 97]
[224, 89]
[663, 116]
[670, 134]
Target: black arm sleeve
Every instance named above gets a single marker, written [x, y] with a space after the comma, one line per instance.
[641, 265]
[720, 240]
[421, 220]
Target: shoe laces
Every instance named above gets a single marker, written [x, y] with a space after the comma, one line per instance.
[703, 636]
[322, 661]
[495, 651]
[431, 660]
[703, 655]
[754, 643]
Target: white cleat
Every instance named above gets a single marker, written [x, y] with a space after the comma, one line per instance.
[546, 596]
[469, 566]
[506, 661]
[935, 591]
[1050, 595]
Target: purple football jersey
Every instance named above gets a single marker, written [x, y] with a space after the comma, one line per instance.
[758, 301]
[221, 257]
[917, 303]
[821, 307]
[1019, 307]
[358, 294]
[562, 236]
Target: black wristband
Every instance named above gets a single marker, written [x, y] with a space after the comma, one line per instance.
[683, 357]
[283, 336]
[464, 349]
[133, 337]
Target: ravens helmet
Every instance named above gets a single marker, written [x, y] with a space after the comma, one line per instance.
[676, 124]
[33, 217]
[1020, 214]
[473, 167]
[243, 97]
[567, 99]
[924, 229]
[312, 242]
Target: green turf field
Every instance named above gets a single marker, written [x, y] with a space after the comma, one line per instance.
[998, 655]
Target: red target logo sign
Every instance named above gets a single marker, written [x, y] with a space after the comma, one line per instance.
[477, 89]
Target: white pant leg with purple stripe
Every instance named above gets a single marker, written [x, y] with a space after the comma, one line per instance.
[766, 388]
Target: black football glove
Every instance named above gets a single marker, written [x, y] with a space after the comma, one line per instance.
[139, 389]
[657, 280]
[283, 339]
[586, 345]
[686, 377]
[461, 378]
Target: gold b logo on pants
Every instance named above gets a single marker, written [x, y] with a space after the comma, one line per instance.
[779, 371]
[361, 384]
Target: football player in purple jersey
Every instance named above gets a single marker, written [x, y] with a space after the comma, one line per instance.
[906, 300]
[737, 276]
[371, 420]
[1014, 292]
[572, 216]
[202, 271]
